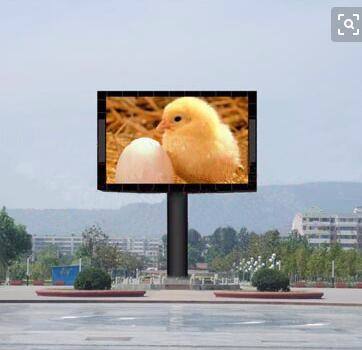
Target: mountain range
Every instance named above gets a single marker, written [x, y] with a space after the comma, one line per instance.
[271, 207]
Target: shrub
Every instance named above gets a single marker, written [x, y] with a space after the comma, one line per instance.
[93, 278]
[18, 271]
[270, 280]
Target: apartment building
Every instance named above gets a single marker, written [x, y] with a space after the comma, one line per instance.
[148, 248]
[322, 228]
[68, 245]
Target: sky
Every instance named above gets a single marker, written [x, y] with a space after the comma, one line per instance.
[55, 55]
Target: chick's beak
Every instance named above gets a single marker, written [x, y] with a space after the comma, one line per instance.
[164, 125]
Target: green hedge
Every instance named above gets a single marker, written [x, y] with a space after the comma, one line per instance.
[92, 279]
[270, 280]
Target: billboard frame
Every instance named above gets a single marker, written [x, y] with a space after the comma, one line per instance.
[102, 185]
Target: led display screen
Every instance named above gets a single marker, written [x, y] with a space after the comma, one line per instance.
[185, 141]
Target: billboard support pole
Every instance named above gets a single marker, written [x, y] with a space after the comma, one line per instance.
[177, 228]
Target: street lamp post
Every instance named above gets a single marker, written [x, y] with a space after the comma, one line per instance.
[332, 273]
[252, 265]
[27, 269]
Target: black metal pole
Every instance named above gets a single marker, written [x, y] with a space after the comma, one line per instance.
[177, 228]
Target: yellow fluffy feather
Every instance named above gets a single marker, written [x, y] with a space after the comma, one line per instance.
[201, 147]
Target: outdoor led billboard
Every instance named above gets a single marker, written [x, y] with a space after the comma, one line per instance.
[193, 141]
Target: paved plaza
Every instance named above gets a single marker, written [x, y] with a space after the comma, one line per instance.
[178, 326]
[337, 296]
[178, 319]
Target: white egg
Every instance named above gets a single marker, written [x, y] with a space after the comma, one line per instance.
[144, 161]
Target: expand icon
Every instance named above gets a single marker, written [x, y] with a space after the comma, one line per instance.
[346, 24]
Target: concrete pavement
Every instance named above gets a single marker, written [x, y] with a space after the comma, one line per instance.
[342, 297]
[178, 326]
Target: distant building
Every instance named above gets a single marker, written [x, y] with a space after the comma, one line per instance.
[149, 248]
[326, 228]
[68, 245]
[357, 210]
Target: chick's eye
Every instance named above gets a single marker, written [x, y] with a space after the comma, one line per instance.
[177, 118]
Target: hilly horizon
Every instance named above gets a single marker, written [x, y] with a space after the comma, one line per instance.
[272, 207]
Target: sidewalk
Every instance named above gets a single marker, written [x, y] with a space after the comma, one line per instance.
[333, 297]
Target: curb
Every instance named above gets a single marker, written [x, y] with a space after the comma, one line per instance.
[89, 293]
[143, 301]
[270, 295]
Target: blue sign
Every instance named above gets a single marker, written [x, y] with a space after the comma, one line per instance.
[66, 274]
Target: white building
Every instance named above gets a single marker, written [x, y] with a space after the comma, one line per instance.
[148, 248]
[68, 245]
[325, 228]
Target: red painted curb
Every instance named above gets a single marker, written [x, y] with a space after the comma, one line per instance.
[270, 295]
[16, 282]
[38, 283]
[89, 293]
[59, 283]
[320, 285]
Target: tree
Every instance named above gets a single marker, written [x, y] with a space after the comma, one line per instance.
[97, 251]
[255, 246]
[224, 263]
[130, 263]
[244, 240]
[194, 237]
[92, 238]
[270, 241]
[196, 247]
[299, 259]
[45, 259]
[224, 240]
[107, 257]
[162, 255]
[194, 256]
[219, 264]
[17, 270]
[317, 266]
[294, 252]
[14, 240]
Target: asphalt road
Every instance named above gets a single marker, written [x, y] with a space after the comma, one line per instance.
[178, 326]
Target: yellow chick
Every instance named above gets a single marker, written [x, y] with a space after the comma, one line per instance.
[201, 147]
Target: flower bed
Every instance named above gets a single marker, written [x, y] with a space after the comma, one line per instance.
[320, 285]
[299, 285]
[59, 283]
[341, 285]
[270, 295]
[16, 282]
[89, 293]
[38, 283]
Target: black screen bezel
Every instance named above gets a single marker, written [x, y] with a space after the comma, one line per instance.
[251, 186]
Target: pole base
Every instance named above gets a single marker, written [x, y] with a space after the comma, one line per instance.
[177, 283]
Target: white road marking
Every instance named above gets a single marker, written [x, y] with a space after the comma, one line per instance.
[249, 322]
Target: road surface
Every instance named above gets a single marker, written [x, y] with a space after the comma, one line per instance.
[178, 326]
